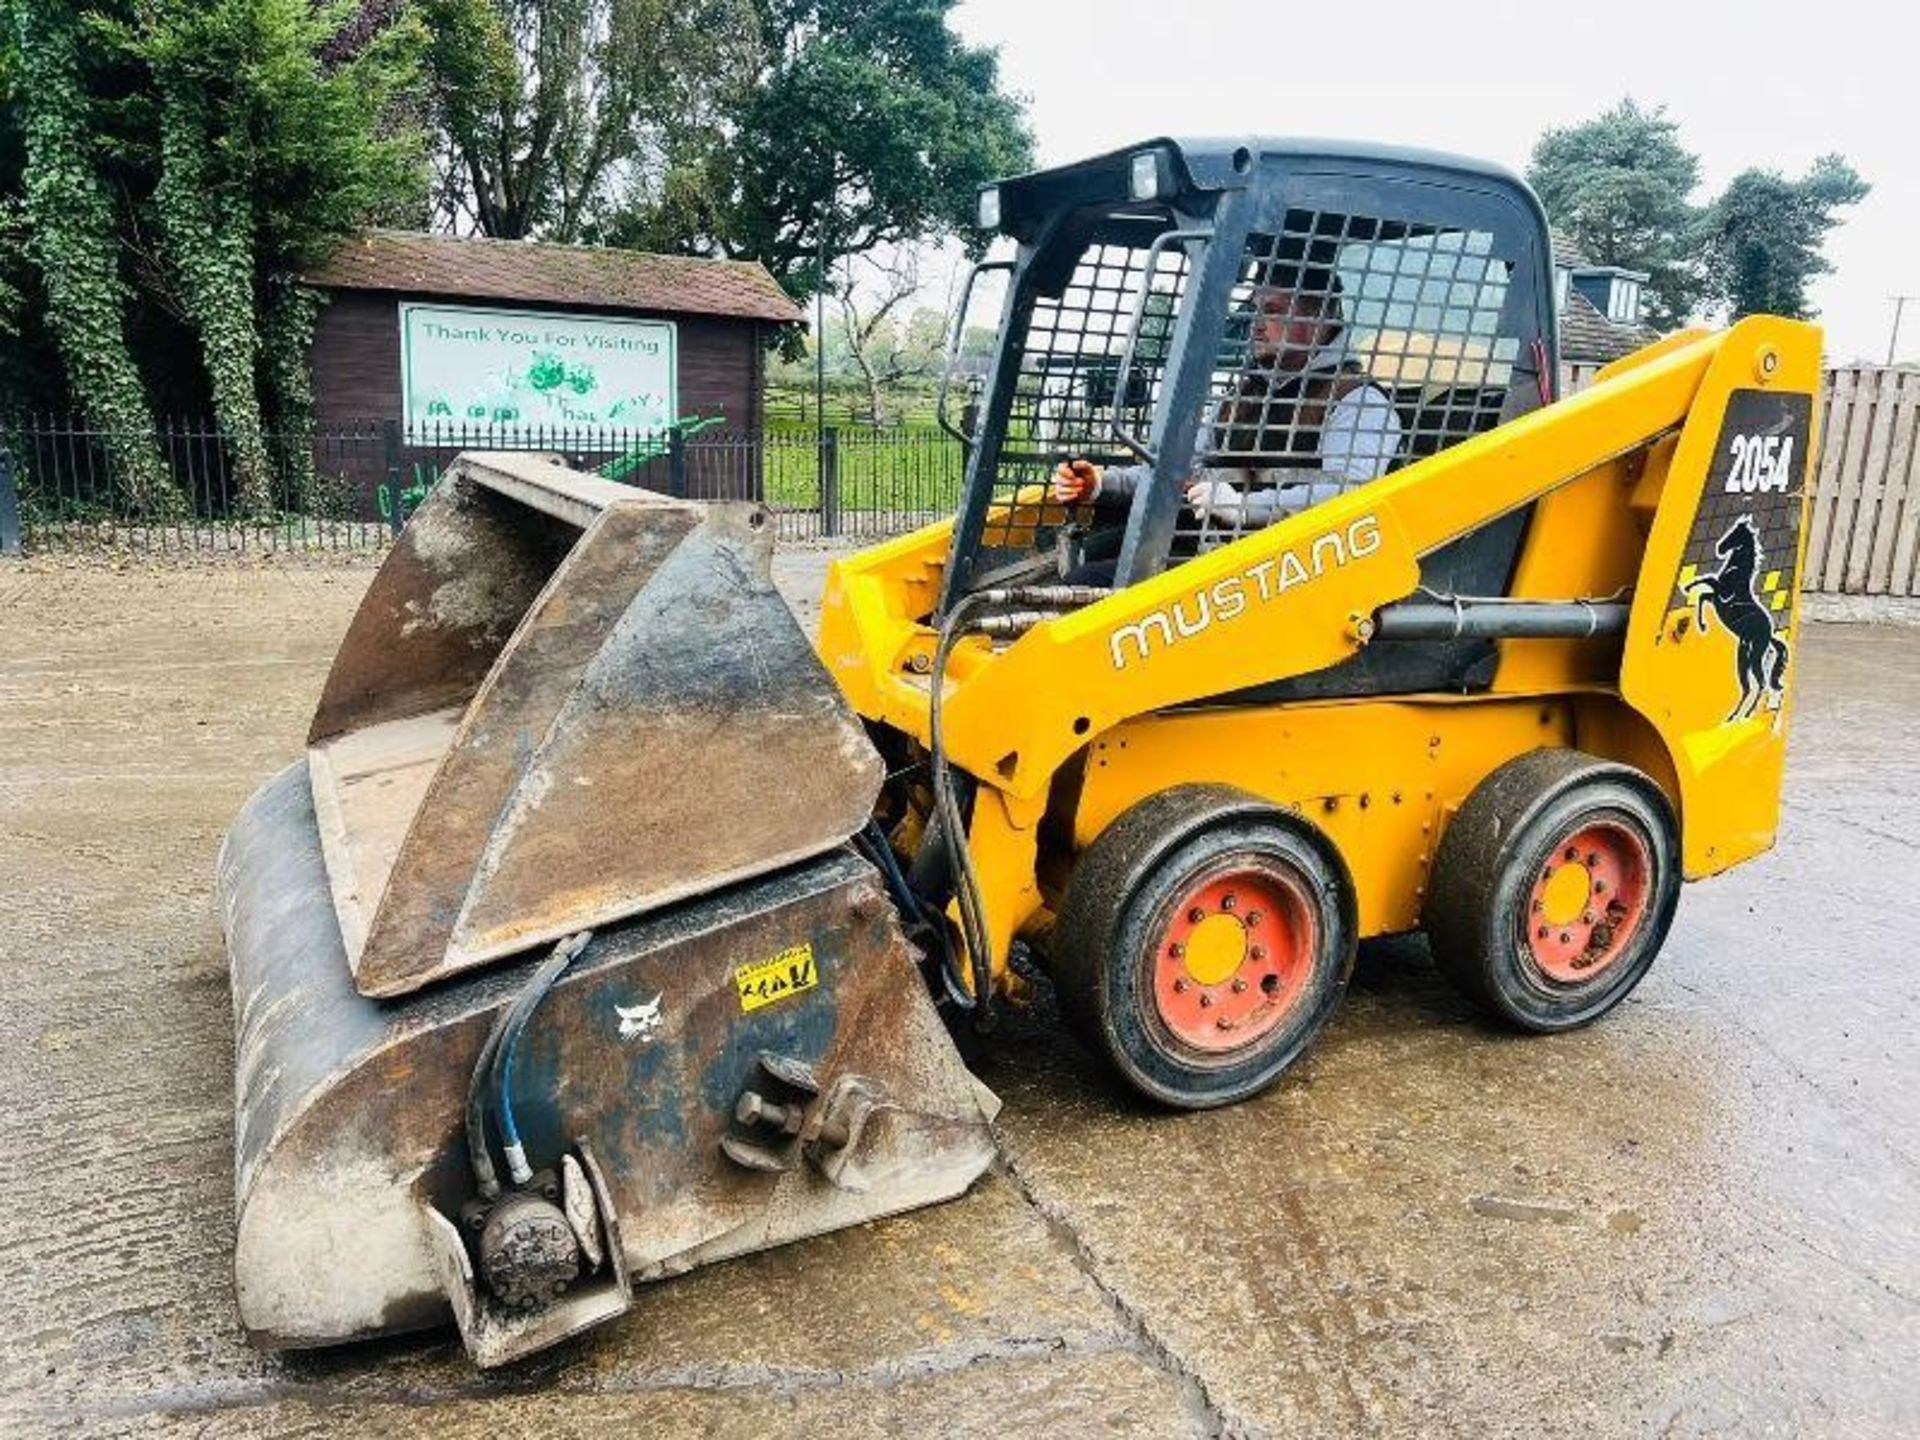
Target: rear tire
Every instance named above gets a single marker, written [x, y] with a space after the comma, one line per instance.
[1205, 940]
[1554, 887]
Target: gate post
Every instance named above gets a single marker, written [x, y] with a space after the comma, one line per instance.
[390, 444]
[830, 480]
[9, 506]
[677, 463]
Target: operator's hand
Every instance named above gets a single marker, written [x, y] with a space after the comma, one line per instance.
[1215, 499]
[1075, 481]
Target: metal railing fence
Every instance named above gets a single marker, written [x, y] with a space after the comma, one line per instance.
[185, 486]
[188, 486]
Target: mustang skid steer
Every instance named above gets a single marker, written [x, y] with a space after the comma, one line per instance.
[606, 927]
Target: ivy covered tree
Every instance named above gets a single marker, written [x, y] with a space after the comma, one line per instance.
[75, 248]
[181, 162]
[1760, 242]
[275, 136]
[1621, 185]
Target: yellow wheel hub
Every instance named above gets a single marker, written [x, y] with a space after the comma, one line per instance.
[1215, 949]
[1566, 895]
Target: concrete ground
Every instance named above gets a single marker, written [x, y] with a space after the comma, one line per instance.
[1697, 1217]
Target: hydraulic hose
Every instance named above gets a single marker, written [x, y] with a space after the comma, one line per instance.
[958, 621]
[493, 1073]
[485, 1178]
[872, 842]
[966, 882]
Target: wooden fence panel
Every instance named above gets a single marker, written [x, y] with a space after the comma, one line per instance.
[1864, 531]
[1836, 410]
[1894, 483]
[1830, 573]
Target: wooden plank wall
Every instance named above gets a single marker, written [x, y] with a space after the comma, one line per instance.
[1865, 536]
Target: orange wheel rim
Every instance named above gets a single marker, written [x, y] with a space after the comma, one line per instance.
[1234, 959]
[1588, 900]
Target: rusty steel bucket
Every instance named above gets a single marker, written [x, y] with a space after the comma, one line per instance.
[568, 709]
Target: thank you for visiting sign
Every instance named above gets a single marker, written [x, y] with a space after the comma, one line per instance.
[511, 370]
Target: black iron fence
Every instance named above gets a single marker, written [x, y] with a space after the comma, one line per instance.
[65, 485]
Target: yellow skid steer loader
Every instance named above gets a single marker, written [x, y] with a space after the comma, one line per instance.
[607, 928]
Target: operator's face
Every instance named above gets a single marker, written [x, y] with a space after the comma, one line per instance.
[1286, 326]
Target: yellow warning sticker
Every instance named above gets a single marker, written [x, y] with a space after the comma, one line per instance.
[766, 981]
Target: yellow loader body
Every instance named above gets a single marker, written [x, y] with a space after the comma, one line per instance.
[1091, 712]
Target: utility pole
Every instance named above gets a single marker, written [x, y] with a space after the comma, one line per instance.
[1899, 307]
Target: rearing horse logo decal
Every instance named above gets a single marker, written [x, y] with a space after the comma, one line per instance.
[1761, 659]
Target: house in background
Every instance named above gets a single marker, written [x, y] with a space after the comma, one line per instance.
[1599, 307]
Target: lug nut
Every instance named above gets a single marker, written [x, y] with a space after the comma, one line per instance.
[1196, 915]
[1599, 887]
[1227, 902]
[1253, 918]
[1206, 999]
[1224, 1023]
[1239, 985]
[1542, 932]
[1565, 938]
[1180, 986]
[1572, 854]
[1593, 860]
[1176, 950]
[1259, 952]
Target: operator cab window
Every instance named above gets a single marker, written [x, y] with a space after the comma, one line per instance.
[1352, 346]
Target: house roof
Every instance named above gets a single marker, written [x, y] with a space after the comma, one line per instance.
[585, 277]
[1587, 336]
[1566, 254]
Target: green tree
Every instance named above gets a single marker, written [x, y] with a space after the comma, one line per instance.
[550, 111]
[75, 248]
[1760, 242]
[1620, 185]
[867, 125]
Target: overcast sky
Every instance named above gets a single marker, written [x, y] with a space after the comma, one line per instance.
[1756, 84]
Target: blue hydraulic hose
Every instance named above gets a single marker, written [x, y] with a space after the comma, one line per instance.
[516, 1023]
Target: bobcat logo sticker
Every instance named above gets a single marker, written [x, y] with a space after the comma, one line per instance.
[639, 1022]
[1761, 659]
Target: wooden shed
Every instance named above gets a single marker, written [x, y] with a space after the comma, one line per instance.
[446, 343]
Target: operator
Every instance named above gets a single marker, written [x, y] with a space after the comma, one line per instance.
[1305, 422]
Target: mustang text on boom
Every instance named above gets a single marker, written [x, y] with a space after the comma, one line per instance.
[1228, 598]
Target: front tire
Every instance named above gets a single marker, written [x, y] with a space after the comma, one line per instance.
[1554, 888]
[1205, 940]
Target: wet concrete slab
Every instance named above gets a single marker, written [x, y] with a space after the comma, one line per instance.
[1696, 1217]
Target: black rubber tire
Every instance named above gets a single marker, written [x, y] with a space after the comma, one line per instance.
[1112, 914]
[1483, 874]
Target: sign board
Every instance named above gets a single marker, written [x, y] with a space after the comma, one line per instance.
[512, 370]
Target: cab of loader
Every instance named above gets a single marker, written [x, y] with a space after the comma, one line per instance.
[1127, 338]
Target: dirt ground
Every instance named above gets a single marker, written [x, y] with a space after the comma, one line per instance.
[1698, 1217]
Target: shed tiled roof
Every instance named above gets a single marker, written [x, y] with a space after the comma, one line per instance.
[584, 276]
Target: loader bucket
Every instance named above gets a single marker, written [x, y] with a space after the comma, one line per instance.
[352, 1168]
[566, 705]
[562, 702]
